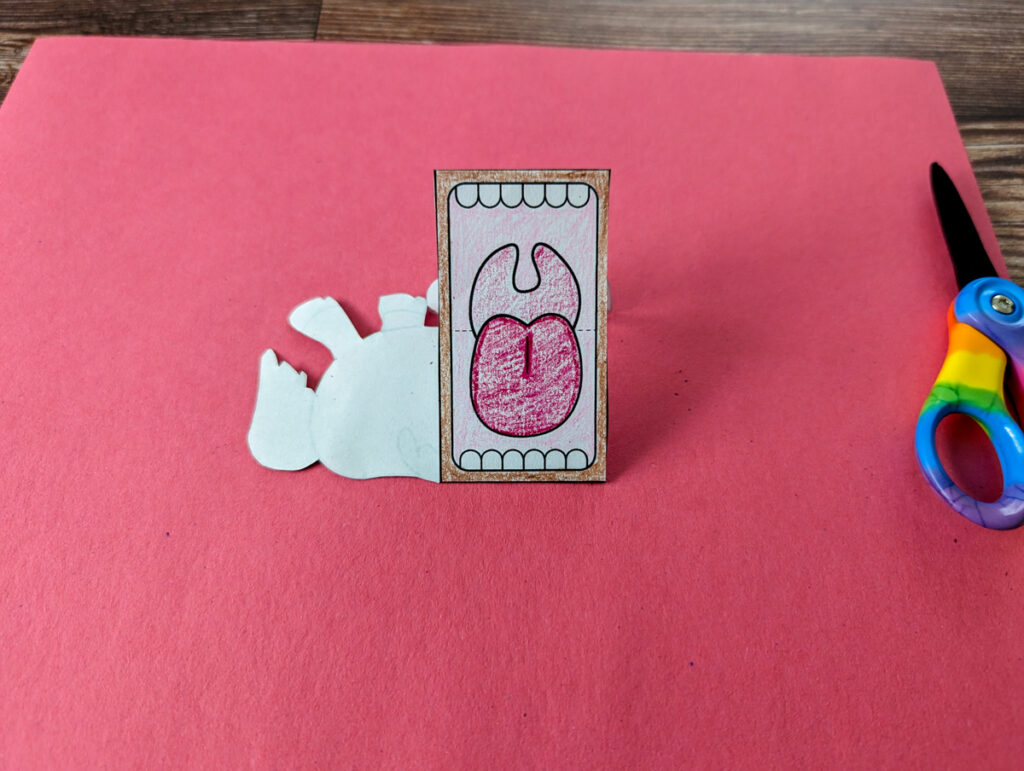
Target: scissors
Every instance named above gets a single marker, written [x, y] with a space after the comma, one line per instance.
[986, 328]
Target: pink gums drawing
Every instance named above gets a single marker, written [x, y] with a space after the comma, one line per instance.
[520, 270]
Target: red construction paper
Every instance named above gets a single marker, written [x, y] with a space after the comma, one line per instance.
[765, 580]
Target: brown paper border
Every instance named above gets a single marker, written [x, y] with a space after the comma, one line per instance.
[444, 181]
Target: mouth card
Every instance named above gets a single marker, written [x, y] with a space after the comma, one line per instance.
[522, 259]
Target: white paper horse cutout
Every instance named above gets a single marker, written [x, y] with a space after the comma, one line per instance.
[375, 412]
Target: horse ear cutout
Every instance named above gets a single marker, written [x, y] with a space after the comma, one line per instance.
[432, 303]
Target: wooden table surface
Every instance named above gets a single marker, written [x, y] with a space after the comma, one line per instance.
[979, 46]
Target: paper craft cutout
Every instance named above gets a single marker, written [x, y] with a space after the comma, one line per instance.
[374, 412]
[523, 296]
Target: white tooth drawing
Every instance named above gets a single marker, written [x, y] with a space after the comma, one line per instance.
[533, 460]
[523, 306]
[374, 413]
[490, 195]
[578, 195]
[466, 195]
[511, 195]
[512, 460]
[533, 194]
[555, 459]
[576, 459]
[555, 194]
[470, 459]
[491, 460]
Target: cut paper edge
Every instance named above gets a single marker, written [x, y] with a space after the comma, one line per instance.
[279, 436]
[374, 413]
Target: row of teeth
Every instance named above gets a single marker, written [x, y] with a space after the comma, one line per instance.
[533, 194]
[513, 460]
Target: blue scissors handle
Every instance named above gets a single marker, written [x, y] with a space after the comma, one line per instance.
[986, 323]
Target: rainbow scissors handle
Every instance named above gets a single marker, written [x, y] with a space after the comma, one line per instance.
[986, 324]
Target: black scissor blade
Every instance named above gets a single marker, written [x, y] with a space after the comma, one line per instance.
[970, 260]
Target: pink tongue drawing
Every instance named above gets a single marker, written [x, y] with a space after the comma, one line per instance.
[525, 378]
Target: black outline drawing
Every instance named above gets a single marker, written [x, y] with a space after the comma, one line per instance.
[522, 197]
[522, 459]
[515, 267]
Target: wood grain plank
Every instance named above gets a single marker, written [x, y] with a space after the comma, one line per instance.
[13, 50]
[986, 133]
[1011, 243]
[996, 150]
[276, 19]
[21, 21]
[979, 46]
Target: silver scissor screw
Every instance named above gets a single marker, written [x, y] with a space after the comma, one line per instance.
[1003, 304]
